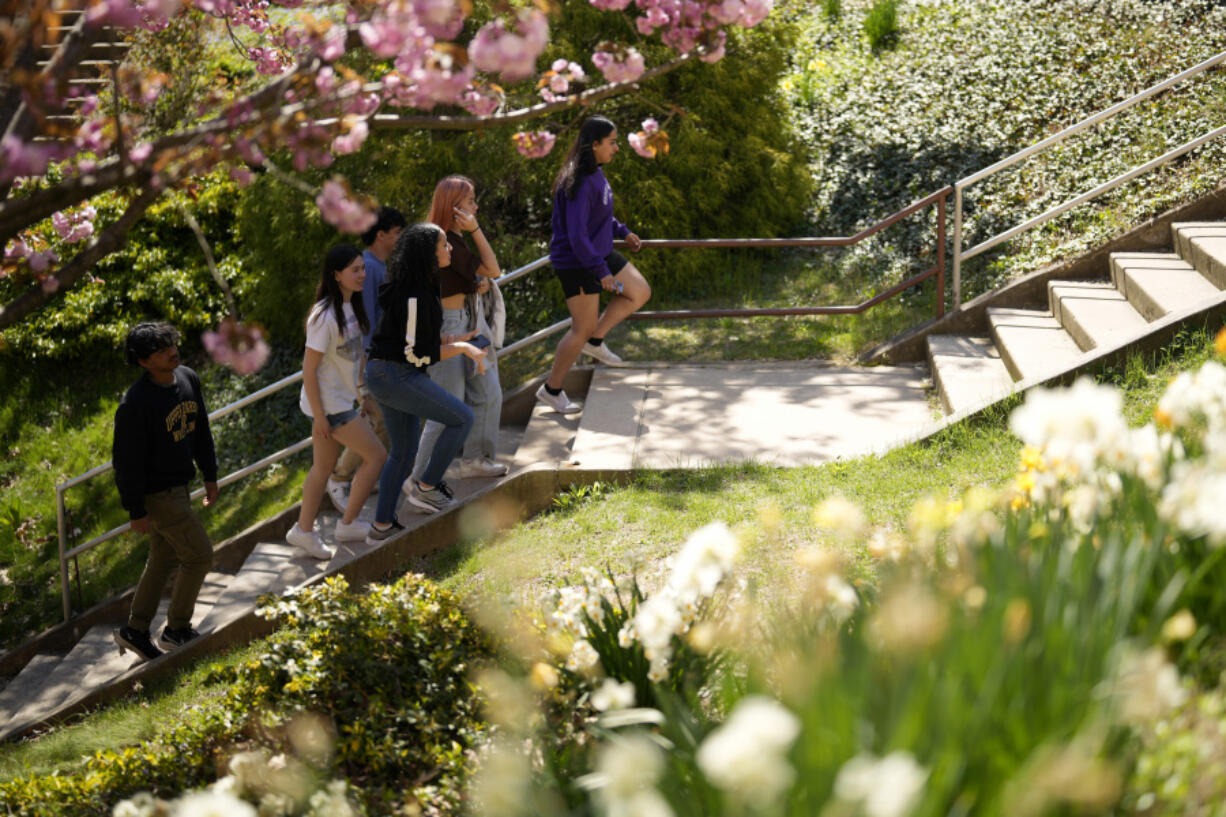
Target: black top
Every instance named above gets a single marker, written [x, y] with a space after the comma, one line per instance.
[159, 431]
[388, 340]
[460, 277]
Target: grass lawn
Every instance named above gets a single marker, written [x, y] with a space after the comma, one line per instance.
[642, 523]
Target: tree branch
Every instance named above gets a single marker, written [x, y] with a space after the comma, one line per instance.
[111, 240]
[588, 97]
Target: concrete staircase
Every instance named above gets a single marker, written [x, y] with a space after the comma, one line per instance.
[54, 685]
[1081, 318]
[88, 74]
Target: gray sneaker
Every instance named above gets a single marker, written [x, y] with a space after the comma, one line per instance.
[378, 536]
[481, 467]
[438, 498]
[604, 354]
[558, 402]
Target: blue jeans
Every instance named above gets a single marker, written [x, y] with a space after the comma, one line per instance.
[480, 392]
[406, 393]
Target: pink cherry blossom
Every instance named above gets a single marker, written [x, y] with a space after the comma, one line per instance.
[270, 61]
[18, 158]
[534, 144]
[716, 52]
[40, 261]
[482, 100]
[74, 227]
[626, 66]
[638, 141]
[149, 14]
[242, 176]
[755, 12]
[140, 152]
[610, 5]
[240, 347]
[512, 54]
[650, 125]
[726, 12]
[352, 140]
[440, 18]
[341, 211]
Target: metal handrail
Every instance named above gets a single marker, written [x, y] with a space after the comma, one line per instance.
[939, 198]
[959, 255]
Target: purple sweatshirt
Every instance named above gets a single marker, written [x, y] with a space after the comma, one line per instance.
[584, 227]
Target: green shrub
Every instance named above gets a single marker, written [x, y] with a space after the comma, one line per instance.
[833, 9]
[160, 274]
[881, 24]
[389, 668]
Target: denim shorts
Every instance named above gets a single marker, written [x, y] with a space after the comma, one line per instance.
[341, 418]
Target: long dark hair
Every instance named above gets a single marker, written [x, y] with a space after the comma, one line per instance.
[414, 260]
[329, 294]
[580, 161]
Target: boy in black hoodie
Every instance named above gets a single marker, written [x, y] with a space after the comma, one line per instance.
[161, 426]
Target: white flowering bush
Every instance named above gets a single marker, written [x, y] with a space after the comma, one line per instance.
[1007, 652]
[624, 635]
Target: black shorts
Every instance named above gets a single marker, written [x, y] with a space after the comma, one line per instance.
[584, 282]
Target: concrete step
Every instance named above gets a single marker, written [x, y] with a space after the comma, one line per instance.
[262, 571]
[1158, 283]
[966, 371]
[1095, 313]
[1203, 245]
[26, 685]
[64, 681]
[1031, 343]
[612, 418]
[548, 437]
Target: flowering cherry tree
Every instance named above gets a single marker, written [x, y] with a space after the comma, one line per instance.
[424, 64]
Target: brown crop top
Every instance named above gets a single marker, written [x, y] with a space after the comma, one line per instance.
[461, 277]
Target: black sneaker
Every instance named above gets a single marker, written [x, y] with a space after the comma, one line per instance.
[378, 536]
[137, 641]
[176, 637]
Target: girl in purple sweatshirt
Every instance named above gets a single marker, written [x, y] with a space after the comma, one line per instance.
[584, 259]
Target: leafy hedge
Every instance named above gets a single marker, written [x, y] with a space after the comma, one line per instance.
[388, 670]
[970, 83]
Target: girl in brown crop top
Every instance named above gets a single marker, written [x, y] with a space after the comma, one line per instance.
[454, 208]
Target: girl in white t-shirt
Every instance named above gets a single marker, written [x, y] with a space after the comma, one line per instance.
[331, 381]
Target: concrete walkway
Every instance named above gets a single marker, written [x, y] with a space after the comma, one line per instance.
[664, 415]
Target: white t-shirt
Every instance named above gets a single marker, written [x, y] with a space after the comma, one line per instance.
[342, 351]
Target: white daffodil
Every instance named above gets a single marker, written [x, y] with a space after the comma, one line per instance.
[612, 695]
[888, 786]
[747, 756]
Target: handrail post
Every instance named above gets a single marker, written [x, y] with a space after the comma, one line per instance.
[957, 246]
[941, 254]
[61, 523]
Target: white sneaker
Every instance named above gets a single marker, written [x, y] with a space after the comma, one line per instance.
[308, 542]
[355, 531]
[558, 402]
[604, 354]
[481, 467]
[338, 492]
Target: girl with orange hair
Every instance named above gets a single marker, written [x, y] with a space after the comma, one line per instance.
[454, 209]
